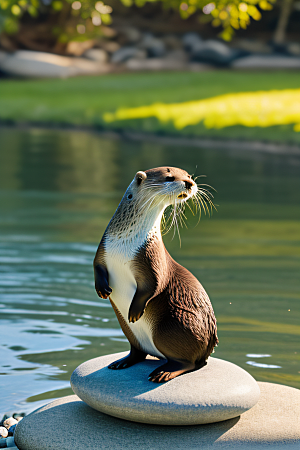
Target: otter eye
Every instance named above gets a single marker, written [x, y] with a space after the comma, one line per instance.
[170, 178]
[129, 196]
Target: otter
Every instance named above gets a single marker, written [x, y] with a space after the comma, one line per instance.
[162, 308]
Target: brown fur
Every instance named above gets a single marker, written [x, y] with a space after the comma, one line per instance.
[172, 300]
[125, 328]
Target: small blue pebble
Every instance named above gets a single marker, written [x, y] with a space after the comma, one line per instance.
[10, 442]
[3, 443]
[11, 430]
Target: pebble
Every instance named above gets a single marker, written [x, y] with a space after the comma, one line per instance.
[3, 432]
[9, 422]
[8, 443]
[12, 429]
[8, 429]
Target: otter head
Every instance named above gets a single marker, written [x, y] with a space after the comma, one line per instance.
[149, 194]
[165, 185]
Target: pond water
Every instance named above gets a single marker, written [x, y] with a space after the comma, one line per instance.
[58, 191]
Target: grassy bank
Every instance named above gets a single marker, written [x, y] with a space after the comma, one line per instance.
[83, 101]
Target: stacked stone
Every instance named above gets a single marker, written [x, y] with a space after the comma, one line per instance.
[218, 406]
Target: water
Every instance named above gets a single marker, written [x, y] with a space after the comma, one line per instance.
[58, 191]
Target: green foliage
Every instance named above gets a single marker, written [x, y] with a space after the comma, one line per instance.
[88, 15]
[230, 14]
[234, 15]
[74, 18]
[12, 10]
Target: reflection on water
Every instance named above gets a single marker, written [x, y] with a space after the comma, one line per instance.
[264, 366]
[58, 191]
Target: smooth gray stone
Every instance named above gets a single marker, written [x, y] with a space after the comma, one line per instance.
[126, 53]
[69, 424]
[96, 54]
[214, 52]
[191, 40]
[31, 64]
[219, 391]
[154, 46]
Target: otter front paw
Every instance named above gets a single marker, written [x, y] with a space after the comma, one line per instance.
[104, 292]
[134, 315]
[101, 281]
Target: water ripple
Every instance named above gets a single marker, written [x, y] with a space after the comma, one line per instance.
[263, 366]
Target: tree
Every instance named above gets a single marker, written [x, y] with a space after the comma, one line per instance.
[230, 14]
[61, 20]
[285, 12]
[82, 19]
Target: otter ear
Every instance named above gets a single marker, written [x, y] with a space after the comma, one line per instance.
[140, 176]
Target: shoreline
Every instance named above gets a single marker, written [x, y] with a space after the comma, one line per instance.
[166, 139]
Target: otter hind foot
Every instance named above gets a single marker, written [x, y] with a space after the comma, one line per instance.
[135, 356]
[170, 370]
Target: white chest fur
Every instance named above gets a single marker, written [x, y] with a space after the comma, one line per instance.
[123, 284]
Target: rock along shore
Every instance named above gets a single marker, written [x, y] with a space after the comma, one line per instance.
[133, 50]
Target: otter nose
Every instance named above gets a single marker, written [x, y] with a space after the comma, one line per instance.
[188, 185]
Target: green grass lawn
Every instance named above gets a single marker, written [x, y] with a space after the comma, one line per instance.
[82, 101]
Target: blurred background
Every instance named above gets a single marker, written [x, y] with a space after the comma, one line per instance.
[90, 93]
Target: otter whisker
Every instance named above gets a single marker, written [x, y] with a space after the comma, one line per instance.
[208, 185]
[176, 223]
[204, 194]
[198, 207]
[188, 205]
[174, 216]
[198, 176]
[149, 200]
[201, 202]
[208, 193]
